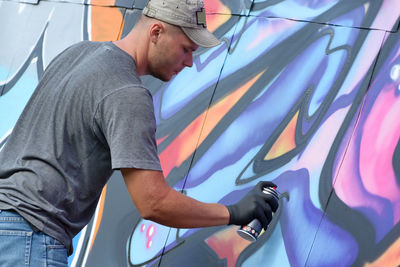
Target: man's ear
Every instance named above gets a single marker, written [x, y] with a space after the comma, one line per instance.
[155, 30]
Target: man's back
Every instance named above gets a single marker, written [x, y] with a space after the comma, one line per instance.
[58, 158]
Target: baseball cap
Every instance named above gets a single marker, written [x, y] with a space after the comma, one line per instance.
[190, 15]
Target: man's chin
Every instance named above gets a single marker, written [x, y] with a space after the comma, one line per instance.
[165, 78]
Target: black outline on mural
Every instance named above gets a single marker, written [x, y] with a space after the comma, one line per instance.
[395, 162]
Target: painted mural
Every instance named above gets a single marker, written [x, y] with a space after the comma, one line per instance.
[304, 93]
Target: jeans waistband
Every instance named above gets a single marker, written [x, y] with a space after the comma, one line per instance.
[13, 213]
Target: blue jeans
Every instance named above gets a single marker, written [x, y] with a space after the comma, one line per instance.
[22, 246]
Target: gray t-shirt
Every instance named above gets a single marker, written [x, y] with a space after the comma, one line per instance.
[89, 115]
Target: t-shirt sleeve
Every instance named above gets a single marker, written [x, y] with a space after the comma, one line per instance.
[126, 120]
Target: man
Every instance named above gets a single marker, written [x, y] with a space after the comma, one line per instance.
[90, 115]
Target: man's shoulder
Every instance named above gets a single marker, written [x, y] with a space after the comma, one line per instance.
[82, 46]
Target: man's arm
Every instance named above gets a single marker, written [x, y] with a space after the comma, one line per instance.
[157, 201]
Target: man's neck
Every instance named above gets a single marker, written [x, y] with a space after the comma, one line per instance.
[131, 45]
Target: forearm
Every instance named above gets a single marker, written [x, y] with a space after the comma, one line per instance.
[157, 201]
[180, 211]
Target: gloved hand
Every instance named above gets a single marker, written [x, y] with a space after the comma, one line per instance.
[255, 204]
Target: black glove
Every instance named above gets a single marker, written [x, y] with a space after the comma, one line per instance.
[255, 204]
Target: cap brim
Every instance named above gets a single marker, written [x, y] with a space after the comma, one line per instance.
[201, 36]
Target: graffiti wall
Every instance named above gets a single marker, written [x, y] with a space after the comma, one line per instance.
[304, 93]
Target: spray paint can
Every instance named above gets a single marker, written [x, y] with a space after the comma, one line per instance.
[252, 231]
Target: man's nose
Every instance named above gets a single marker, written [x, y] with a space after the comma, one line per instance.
[188, 60]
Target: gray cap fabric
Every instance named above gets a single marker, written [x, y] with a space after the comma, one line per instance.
[188, 14]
